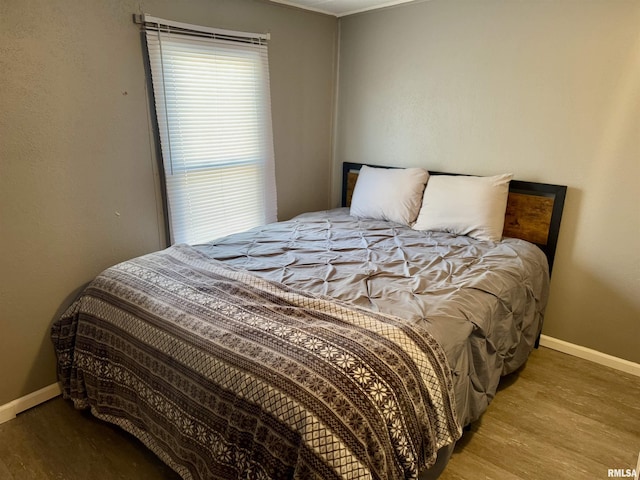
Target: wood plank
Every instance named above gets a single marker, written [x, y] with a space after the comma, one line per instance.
[468, 465]
[5, 474]
[528, 217]
[558, 417]
[530, 456]
[56, 441]
[351, 185]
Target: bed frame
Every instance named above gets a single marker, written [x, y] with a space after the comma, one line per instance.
[533, 211]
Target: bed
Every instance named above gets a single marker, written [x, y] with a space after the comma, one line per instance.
[326, 346]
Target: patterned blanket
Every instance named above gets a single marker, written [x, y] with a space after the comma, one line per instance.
[225, 375]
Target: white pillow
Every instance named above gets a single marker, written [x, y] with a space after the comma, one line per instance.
[472, 206]
[392, 194]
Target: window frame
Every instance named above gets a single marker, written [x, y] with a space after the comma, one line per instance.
[180, 30]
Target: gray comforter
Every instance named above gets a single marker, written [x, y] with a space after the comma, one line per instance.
[482, 301]
[225, 375]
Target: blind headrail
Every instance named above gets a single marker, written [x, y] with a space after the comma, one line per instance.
[159, 24]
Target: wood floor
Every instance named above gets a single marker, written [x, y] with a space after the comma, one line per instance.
[559, 417]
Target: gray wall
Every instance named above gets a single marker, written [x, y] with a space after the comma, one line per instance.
[79, 186]
[547, 90]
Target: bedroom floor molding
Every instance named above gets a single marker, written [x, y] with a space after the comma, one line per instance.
[8, 411]
[592, 355]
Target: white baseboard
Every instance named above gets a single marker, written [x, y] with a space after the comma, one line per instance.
[592, 355]
[9, 410]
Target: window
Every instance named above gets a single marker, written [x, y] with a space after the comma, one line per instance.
[212, 102]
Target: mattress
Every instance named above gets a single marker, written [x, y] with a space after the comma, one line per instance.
[483, 302]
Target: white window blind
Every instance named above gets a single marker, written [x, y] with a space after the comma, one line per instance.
[212, 102]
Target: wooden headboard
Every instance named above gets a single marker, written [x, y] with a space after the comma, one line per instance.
[533, 211]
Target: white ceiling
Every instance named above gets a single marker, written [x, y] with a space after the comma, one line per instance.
[340, 8]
